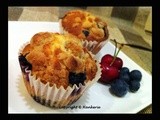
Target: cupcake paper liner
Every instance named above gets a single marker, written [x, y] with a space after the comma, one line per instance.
[51, 95]
[94, 46]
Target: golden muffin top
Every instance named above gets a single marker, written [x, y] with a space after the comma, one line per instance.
[54, 57]
[85, 25]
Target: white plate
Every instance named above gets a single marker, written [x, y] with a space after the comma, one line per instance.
[98, 95]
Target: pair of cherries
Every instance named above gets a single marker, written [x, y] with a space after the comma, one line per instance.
[110, 66]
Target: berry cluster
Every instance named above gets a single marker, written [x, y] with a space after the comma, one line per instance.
[127, 81]
[120, 78]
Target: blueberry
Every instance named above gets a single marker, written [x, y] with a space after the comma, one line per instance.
[125, 77]
[134, 85]
[136, 75]
[124, 74]
[124, 70]
[119, 88]
[76, 78]
[86, 32]
[24, 63]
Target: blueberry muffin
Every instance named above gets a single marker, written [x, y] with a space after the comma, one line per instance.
[86, 26]
[56, 68]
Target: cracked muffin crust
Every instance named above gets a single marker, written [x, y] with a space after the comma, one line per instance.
[54, 57]
[85, 25]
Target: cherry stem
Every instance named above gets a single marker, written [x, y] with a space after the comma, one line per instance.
[115, 47]
[116, 54]
[120, 49]
[135, 46]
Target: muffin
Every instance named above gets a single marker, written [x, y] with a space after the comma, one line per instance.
[86, 26]
[56, 68]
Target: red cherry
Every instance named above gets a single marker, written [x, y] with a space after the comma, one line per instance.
[118, 63]
[110, 66]
[109, 73]
[107, 59]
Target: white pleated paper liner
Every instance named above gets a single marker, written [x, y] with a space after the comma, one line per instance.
[92, 46]
[51, 95]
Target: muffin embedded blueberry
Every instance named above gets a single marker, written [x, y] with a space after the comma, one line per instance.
[24, 63]
[76, 78]
[85, 32]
